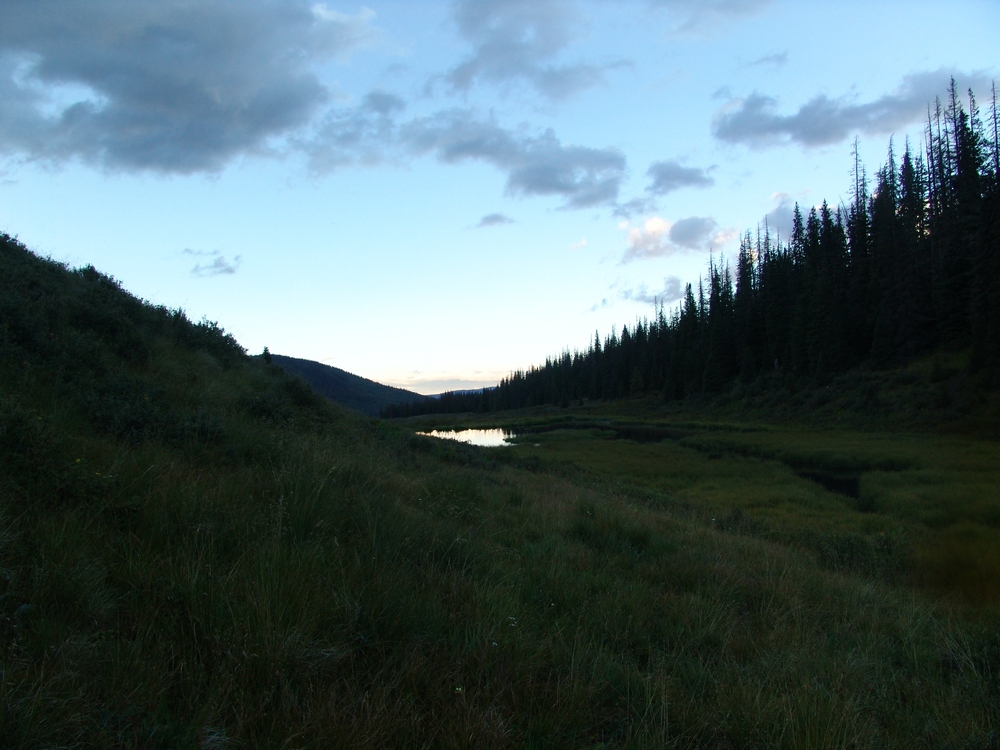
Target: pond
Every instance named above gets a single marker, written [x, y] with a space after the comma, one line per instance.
[496, 437]
[487, 438]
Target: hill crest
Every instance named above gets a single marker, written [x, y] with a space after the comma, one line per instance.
[345, 388]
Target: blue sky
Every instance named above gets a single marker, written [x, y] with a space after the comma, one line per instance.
[431, 194]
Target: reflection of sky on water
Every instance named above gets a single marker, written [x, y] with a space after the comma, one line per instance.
[487, 438]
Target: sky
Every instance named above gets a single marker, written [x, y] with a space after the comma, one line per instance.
[433, 194]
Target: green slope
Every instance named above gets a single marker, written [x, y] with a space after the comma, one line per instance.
[352, 391]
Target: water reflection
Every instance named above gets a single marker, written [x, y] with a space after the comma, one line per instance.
[487, 438]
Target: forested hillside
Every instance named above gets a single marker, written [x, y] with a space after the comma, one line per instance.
[347, 389]
[909, 266]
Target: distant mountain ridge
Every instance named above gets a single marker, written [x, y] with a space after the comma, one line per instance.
[346, 389]
[463, 392]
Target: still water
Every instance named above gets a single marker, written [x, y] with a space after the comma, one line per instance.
[488, 438]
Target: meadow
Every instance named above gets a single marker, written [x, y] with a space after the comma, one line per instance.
[347, 584]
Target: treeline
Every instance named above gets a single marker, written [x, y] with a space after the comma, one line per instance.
[911, 265]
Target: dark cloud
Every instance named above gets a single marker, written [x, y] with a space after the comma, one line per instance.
[360, 135]
[215, 263]
[668, 176]
[170, 86]
[692, 233]
[493, 220]
[521, 40]
[535, 164]
[755, 121]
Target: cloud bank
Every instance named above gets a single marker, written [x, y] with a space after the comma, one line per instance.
[171, 86]
[535, 163]
[755, 121]
[175, 86]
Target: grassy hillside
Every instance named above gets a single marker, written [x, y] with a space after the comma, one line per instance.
[352, 391]
[197, 551]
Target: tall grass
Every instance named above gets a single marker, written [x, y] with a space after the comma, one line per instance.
[340, 589]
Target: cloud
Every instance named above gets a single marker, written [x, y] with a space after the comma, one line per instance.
[777, 59]
[383, 104]
[433, 383]
[521, 40]
[647, 241]
[170, 86]
[535, 164]
[668, 176]
[218, 266]
[780, 218]
[493, 220]
[671, 292]
[579, 245]
[658, 237]
[634, 207]
[755, 121]
[692, 233]
[359, 135]
[703, 15]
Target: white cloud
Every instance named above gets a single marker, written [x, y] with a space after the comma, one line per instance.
[657, 237]
[650, 240]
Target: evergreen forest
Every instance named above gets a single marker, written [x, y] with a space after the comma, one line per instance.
[909, 267]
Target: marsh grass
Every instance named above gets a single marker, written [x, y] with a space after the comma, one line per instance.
[331, 588]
